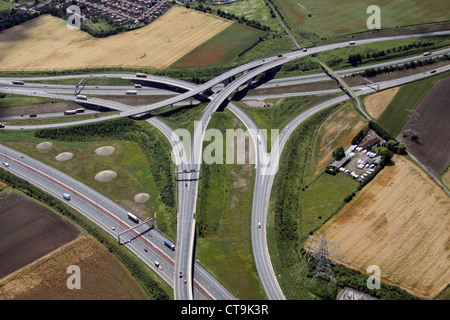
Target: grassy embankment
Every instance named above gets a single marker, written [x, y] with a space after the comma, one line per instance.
[140, 159]
[223, 219]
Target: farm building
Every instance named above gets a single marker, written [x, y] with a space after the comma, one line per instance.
[341, 163]
[370, 143]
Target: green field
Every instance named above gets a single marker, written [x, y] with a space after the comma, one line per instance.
[313, 20]
[14, 100]
[251, 9]
[280, 114]
[323, 198]
[5, 5]
[223, 48]
[136, 170]
[223, 220]
[404, 103]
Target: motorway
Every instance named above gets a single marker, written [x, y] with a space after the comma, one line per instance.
[188, 189]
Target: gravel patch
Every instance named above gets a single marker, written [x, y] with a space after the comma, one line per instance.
[64, 156]
[105, 151]
[105, 176]
[141, 197]
[44, 145]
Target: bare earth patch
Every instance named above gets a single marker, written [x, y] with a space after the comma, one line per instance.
[400, 222]
[376, 103]
[105, 176]
[64, 156]
[44, 145]
[141, 197]
[105, 151]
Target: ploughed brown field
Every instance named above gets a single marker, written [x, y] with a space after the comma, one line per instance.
[431, 120]
[400, 222]
[102, 276]
[29, 231]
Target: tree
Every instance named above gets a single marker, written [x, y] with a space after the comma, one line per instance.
[401, 148]
[339, 153]
[391, 144]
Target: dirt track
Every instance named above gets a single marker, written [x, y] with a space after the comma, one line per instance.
[28, 231]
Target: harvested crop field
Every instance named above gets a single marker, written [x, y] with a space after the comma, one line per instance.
[430, 120]
[102, 277]
[401, 223]
[28, 231]
[45, 43]
[377, 102]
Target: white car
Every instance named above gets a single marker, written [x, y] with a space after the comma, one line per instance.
[6, 164]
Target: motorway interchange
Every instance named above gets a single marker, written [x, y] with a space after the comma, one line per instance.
[148, 244]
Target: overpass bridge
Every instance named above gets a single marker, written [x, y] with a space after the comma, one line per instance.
[343, 85]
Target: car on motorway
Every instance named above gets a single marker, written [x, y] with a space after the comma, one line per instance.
[259, 224]
[66, 196]
[6, 164]
[2, 125]
[181, 274]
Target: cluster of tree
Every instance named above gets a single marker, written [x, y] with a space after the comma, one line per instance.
[14, 17]
[339, 153]
[380, 131]
[124, 129]
[355, 279]
[411, 134]
[360, 136]
[139, 270]
[372, 72]
[354, 59]
[305, 64]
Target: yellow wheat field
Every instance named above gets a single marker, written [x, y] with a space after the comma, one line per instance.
[377, 103]
[400, 222]
[45, 43]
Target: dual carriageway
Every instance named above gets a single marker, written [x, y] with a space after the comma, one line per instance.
[103, 211]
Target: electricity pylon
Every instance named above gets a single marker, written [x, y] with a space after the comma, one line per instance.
[323, 278]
